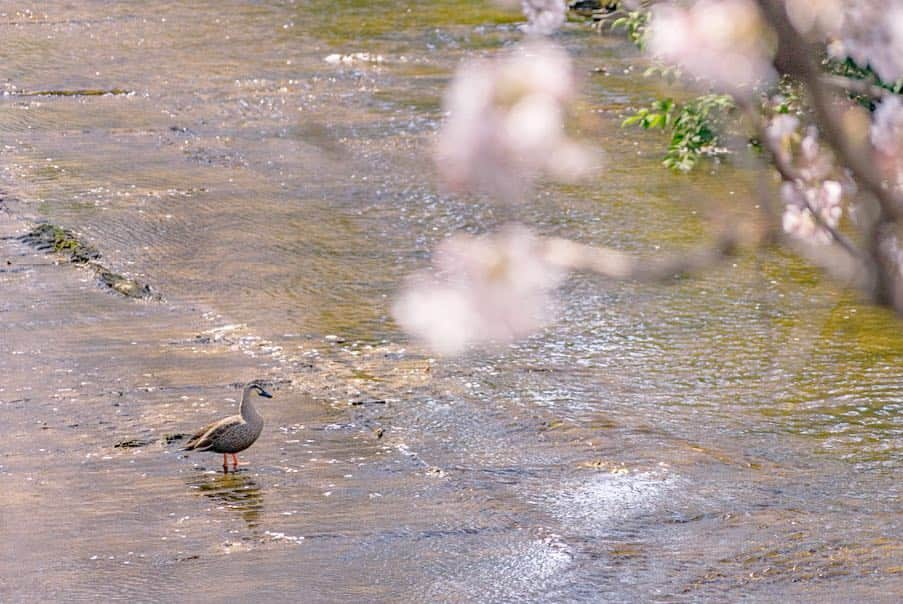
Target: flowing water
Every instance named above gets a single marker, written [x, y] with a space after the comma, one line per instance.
[734, 436]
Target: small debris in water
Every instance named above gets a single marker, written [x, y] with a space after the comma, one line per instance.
[78, 92]
[355, 57]
[601, 464]
[276, 536]
[368, 402]
[131, 443]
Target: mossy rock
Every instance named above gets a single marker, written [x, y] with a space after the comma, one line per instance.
[124, 285]
[51, 238]
[132, 443]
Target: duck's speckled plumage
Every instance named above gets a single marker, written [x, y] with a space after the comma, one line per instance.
[234, 433]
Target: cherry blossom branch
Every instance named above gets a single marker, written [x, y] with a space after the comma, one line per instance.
[619, 265]
[790, 174]
[857, 86]
[856, 153]
[795, 59]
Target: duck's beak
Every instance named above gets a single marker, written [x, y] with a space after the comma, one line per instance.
[265, 394]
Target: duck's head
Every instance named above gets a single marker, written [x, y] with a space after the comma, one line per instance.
[256, 389]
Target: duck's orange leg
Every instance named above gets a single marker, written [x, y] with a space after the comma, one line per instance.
[225, 464]
[234, 461]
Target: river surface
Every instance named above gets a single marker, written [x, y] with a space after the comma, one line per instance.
[734, 436]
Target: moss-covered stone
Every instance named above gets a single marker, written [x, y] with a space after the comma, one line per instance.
[51, 238]
[124, 285]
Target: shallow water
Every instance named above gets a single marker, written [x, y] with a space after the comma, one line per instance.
[737, 435]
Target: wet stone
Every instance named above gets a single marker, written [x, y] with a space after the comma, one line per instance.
[131, 443]
[51, 238]
[125, 286]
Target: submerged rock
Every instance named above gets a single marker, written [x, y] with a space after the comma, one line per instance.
[131, 443]
[124, 285]
[593, 8]
[50, 238]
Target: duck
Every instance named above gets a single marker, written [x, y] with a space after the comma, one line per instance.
[233, 434]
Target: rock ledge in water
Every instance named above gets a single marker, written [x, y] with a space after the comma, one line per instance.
[50, 238]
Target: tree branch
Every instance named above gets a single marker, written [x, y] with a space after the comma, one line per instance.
[856, 153]
[615, 264]
[790, 174]
[858, 158]
[857, 86]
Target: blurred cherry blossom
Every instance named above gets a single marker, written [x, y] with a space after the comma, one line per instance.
[814, 163]
[782, 131]
[887, 136]
[803, 201]
[871, 34]
[815, 16]
[492, 288]
[506, 123]
[813, 201]
[722, 41]
[544, 16]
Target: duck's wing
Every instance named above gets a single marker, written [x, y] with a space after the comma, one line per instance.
[204, 438]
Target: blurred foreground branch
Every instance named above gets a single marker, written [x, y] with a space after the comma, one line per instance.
[615, 264]
[853, 150]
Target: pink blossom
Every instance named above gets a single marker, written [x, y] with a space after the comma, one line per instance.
[493, 288]
[506, 123]
[781, 131]
[814, 163]
[718, 40]
[886, 134]
[825, 16]
[801, 201]
[871, 34]
[887, 126]
[544, 16]
[813, 200]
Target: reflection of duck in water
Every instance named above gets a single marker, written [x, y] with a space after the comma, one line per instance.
[234, 433]
[237, 492]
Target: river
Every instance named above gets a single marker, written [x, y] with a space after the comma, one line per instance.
[733, 436]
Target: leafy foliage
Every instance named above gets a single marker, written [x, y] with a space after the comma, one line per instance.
[634, 22]
[693, 126]
[849, 69]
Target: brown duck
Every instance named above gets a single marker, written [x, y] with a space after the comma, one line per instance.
[235, 433]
